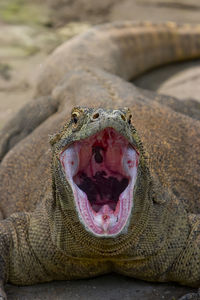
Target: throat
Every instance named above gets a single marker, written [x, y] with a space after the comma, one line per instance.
[102, 188]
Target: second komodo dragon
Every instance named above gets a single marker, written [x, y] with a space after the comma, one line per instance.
[119, 189]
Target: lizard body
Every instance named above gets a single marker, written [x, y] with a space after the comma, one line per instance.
[47, 239]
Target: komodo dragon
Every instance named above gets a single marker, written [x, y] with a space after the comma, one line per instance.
[122, 193]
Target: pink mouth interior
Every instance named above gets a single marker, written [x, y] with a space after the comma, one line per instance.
[102, 171]
[101, 189]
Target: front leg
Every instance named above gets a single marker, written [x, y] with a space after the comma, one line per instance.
[25, 249]
[186, 269]
[18, 263]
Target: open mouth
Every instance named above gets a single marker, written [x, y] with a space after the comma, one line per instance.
[102, 171]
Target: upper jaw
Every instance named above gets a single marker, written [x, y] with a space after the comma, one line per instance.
[101, 213]
[110, 119]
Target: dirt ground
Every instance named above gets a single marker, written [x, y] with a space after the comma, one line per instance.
[29, 31]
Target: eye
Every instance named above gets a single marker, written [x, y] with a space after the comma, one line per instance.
[75, 116]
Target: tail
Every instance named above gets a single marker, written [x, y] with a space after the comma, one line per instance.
[125, 49]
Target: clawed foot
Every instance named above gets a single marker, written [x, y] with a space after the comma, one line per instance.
[191, 296]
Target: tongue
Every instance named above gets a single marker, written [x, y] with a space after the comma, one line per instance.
[105, 210]
[105, 218]
[99, 203]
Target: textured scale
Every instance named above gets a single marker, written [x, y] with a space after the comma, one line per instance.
[44, 240]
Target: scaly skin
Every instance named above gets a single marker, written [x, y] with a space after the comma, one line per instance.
[131, 49]
[45, 240]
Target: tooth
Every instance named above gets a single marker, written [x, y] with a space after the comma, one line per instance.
[105, 227]
[130, 161]
[70, 161]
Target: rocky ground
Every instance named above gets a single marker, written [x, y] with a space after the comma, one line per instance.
[29, 31]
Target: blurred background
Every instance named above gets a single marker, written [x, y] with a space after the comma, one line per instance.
[30, 30]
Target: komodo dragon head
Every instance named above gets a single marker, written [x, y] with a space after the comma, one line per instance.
[100, 169]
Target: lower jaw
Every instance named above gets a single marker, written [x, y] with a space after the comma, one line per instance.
[106, 222]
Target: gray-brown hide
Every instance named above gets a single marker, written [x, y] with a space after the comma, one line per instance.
[92, 70]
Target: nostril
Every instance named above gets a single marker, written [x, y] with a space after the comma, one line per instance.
[95, 116]
[123, 117]
[129, 119]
